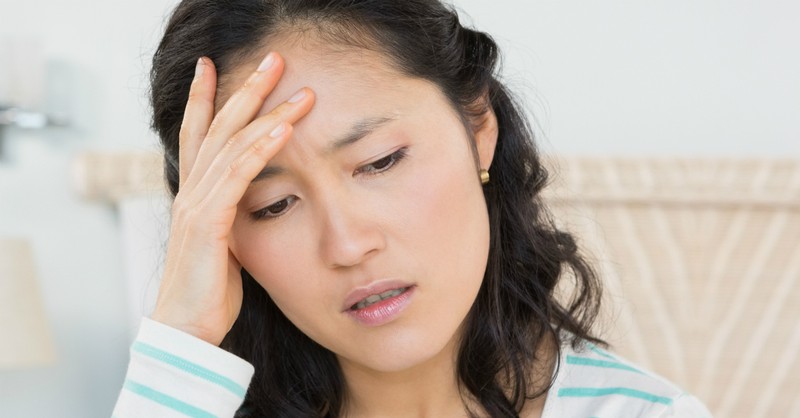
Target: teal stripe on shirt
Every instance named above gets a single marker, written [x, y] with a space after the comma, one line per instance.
[189, 367]
[166, 400]
[606, 364]
[598, 392]
[600, 352]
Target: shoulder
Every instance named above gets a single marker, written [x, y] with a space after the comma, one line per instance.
[591, 382]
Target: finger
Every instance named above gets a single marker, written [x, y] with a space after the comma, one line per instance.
[229, 188]
[197, 116]
[289, 111]
[241, 107]
[242, 170]
[259, 141]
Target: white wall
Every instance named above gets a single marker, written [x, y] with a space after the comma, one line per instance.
[655, 77]
[614, 77]
[97, 53]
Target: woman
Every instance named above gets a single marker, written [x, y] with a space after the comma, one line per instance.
[356, 221]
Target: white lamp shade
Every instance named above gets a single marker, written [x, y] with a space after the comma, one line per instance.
[25, 338]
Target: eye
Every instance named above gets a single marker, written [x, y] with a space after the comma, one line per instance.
[274, 210]
[383, 164]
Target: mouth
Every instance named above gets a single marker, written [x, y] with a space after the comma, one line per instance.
[373, 299]
[379, 303]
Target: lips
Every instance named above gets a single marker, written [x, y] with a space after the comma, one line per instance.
[367, 295]
[383, 311]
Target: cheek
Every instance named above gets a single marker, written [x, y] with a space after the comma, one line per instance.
[446, 236]
[446, 205]
[273, 257]
[285, 267]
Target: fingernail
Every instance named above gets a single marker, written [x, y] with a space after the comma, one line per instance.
[199, 68]
[300, 95]
[266, 63]
[278, 131]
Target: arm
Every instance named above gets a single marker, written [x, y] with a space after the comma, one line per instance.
[176, 368]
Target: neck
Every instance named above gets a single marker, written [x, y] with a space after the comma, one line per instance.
[429, 389]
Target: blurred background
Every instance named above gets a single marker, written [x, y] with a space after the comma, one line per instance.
[628, 79]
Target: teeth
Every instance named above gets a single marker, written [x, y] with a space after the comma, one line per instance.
[391, 293]
[370, 300]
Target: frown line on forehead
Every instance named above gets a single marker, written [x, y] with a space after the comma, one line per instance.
[358, 131]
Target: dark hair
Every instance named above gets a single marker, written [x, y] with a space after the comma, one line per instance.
[516, 308]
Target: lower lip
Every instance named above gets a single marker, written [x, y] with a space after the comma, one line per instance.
[384, 311]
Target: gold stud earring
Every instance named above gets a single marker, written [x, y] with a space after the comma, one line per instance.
[484, 176]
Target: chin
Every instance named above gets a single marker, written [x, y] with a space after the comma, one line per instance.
[401, 353]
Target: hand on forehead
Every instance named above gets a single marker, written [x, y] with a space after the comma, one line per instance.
[351, 85]
[333, 73]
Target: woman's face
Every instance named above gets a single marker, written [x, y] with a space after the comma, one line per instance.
[377, 192]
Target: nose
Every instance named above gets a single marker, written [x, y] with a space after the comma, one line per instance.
[350, 235]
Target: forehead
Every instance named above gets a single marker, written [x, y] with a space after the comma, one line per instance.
[336, 73]
[351, 84]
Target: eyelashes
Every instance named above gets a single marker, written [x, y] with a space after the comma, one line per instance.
[274, 210]
[377, 167]
[384, 164]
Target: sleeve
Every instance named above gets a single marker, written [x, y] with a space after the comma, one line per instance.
[687, 406]
[173, 374]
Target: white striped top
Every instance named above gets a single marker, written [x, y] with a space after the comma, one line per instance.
[173, 374]
[593, 383]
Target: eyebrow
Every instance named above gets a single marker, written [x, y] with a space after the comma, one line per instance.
[357, 132]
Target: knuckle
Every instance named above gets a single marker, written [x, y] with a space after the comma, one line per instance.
[276, 116]
[253, 90]
[233, 140]
[246, 86]
[281, 110]
[259, 148]
[247, 89]
[234, 169]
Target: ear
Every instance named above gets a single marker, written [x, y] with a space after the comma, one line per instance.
[486, 138]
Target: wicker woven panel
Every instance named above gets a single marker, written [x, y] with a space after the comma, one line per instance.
[702, 264]
[112, 177]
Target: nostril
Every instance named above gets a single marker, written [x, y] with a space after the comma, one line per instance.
[349, 234]
[353, 248]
